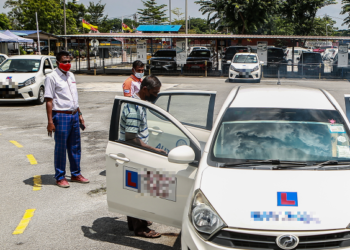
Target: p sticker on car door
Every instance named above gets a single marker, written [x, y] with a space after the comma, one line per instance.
[156, 183]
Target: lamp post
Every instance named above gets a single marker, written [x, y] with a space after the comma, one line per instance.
[65, 29]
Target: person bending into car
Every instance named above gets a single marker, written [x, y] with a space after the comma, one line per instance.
[134, 129]
[132, 85]
[64, 119]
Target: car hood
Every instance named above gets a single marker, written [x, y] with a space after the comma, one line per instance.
[17, 77]
[245, 66]
[249, 198]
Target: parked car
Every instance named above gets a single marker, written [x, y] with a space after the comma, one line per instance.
[276, 61]
[310, 63]
[3, 57]
[245, 67]
[271, 173]
[329, 54]
[24, 77]
[228, 55]
[322, 49]
[196, 60]
[197, 48]
[337, 71]
[297, 53]
[163, 59]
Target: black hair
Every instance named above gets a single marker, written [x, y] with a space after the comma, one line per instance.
[137, 63]
[151, 82]
[61, 53]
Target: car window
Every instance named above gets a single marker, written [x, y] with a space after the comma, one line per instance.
[200, 53]
[311, 58]
[47, 64]
[2, 58]
[164, 53]
[151, 127]
[245, 59]
[284, 134]
[53, 61]
[275, 53]
[230, 52]
[20, 65]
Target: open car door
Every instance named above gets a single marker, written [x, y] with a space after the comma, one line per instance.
[142, 182]
[193, 108]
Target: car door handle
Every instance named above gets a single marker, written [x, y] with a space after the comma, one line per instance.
[116, 157]
[155, 130]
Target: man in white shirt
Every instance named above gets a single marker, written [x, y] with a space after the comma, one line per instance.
[64, 119]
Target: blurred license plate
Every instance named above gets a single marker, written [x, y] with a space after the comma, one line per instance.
[195, 67]
[158, 67]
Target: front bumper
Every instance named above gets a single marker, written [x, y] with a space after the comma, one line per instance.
[253, 76]
[25, 94]
[168, 66]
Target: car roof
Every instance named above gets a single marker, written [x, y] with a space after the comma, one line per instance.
[279, 96]
[29, 56]
[246, 53]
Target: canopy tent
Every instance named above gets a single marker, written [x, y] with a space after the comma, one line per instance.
[19, 39]
[7, 39]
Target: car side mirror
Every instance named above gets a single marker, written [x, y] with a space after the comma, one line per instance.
[47, 71]
[181, 155]
[229, 61]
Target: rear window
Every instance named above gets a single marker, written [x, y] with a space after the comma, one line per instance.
[200, 53]
[230, 52]
[164, 53]
[275, 53]
[311, 58]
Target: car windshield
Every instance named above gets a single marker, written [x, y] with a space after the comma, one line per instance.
[20, 65]
[311, 58]
[200, 53]
[164, 53]
[245, 59]
[230, 52]
[275, 53]
[283, 134]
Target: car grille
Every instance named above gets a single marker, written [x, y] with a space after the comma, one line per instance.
[253, 241]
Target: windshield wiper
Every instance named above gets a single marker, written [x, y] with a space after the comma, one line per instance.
[273, 162]
[322, 164]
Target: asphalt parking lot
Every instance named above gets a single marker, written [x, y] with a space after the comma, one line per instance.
[78, 217]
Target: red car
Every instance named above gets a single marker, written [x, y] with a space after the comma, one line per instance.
[322, 49]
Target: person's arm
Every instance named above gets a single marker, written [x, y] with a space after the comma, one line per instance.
[127, 87]
[81, 119]
[50, 126]
[132, 138]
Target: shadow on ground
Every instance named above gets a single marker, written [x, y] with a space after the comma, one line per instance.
[115, 231]
[47, 179]
[103, 173]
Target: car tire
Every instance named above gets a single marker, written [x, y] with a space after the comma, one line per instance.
[41, 98]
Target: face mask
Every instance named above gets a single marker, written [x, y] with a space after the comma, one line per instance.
[65, 66]
[151, 98]
[139, 75]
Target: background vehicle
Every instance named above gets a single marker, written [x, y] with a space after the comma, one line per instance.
[25, 76]
[310, 63]
[337, 71]
[197, 48]
[228, 55]
[245, 67]
[196, 60]
[297, 53]
[163, 59]
[275, 61]
[322, 49]
[329, 54]
[3, 57]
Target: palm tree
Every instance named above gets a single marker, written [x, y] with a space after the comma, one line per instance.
[346, 10]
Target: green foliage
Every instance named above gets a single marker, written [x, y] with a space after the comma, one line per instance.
[79, 11]
[50, 16]
[96, 12]
[5, 22]
[346, 10]
[153, 13]
[177, 12]
[22, 51]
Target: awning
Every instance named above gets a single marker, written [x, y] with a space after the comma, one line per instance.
[7, 39]
[19, 39]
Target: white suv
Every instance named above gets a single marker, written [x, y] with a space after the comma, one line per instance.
[245, 67]
[22, 78]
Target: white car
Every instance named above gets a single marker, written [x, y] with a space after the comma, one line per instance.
[22, 78]
[272, 173]
[297, 54]
[3, 57]
[198, 48]
[245, 67]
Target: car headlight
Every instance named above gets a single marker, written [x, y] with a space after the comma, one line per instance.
[256, 68]
[233, 68]
[204, 217]
[28, 82]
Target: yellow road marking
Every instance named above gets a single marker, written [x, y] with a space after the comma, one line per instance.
[24, 222]
[32, 159]
[37, 183]
[16, 144]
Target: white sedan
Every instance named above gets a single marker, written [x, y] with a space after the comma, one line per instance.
[245, 67]
[22, 78]
[271, 173]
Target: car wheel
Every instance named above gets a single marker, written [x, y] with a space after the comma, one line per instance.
[41, 98]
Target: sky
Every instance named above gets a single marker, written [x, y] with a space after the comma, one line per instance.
[119, 8]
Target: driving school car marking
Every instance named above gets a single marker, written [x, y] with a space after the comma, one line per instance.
[32, 159]
[287, 199]
[16, 144]
[24, 222]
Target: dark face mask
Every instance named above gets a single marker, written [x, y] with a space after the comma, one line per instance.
[151, 98]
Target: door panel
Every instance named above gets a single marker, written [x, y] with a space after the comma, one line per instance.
[132, 170]
[194, 109]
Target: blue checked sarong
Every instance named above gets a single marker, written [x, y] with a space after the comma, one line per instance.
[67, 138]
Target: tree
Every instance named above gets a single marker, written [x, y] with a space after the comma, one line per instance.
[50, 15]
[152, 14]
[302, 13]
[5, 22]
[215, 10]
[96, 12]
[79, 11]
[346, 10]
[177, 12]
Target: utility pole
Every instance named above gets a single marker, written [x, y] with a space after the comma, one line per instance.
[65, 28]
[186, 15]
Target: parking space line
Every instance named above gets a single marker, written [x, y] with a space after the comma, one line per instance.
[24, 222]
[37, 183]
[16, 144]
[32, 159]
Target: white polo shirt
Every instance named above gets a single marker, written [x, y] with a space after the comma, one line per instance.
[62, 89]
